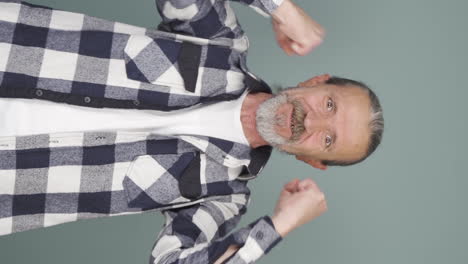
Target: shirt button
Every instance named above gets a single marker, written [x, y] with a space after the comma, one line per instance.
[259, 235]
[87, 99]
[39, 92]
[136, 102]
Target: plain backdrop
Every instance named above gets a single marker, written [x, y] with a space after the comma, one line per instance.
[405, 204]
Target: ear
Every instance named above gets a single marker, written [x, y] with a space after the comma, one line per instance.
[312, 162]
[315, 80]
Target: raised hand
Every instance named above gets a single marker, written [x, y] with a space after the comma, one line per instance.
[299, 203]
[296, 32]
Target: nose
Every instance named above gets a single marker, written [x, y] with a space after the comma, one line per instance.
[314, 123]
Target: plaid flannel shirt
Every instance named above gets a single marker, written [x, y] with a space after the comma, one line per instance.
[198, 55]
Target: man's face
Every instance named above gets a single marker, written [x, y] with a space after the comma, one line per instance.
[322, 122]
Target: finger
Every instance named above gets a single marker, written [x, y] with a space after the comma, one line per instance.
[308, 43]
[285, 43]
[292, 185]
[287, 49]
[289, 185]
[324, 205]
[295, 185]
[304, 48]
[302, 186]
[285, 192]
[283, 40]
[300, 50]
[308, 184]
[318, 29]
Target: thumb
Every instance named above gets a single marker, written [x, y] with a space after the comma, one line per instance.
[297, 49]
[301, 49]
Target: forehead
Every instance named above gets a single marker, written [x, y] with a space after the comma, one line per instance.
[352, 124]
[326, 88]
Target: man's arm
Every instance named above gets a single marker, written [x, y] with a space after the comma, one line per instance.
[207, 18]
[299, 203]
[198, 234]
[296, 32]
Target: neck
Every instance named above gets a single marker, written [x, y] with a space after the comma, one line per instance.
[248, 118]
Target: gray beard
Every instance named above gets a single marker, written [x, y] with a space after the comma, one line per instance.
[267, 120]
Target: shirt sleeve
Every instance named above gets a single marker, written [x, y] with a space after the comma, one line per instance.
[198, 234]
[207, 18]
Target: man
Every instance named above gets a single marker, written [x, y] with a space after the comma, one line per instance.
[130, 120]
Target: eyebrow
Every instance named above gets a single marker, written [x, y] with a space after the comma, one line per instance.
[333, 97]
[334, 139]
[335, 111]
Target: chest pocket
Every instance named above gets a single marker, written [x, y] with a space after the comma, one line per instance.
[154, 181]
[163, 62]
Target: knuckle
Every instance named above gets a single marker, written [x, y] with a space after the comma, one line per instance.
[321, 196]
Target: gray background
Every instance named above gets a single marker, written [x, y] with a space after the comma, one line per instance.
[406, 204]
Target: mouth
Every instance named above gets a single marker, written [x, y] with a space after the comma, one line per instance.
[297, 121]
[293, 121]
[290, 121]
[280, 120]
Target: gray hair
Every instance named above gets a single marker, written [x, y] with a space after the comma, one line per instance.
[376, 123]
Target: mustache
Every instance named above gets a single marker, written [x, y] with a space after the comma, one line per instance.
[297, 121]
[267, 120]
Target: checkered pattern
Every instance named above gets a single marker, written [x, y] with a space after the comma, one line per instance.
[74, 58]
[68, 177]
[51, 179]
[198, 234]
[197, 182]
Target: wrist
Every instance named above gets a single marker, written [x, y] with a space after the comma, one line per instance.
[282, 226]
[285, 10]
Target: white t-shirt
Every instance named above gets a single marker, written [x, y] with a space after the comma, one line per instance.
[19, 117]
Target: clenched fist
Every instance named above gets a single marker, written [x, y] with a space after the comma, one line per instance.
[299, 203]
[296, 33]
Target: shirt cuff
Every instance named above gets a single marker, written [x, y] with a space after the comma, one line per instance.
[271, 5]
[264, 234]
[258, 241]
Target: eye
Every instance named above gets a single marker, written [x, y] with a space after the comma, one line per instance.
[330, 105]
[328, 141]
